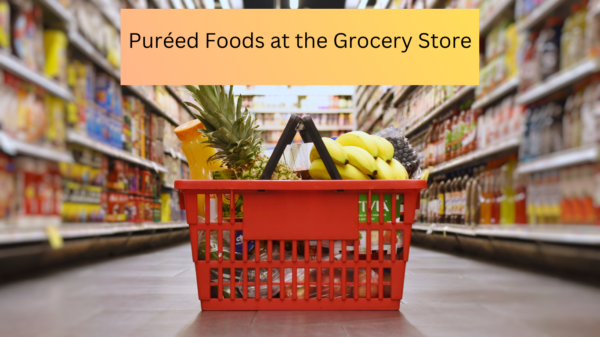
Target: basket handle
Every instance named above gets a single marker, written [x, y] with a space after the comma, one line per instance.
[307, 130]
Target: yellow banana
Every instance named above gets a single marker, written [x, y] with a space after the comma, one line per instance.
[361, 159]
[359, 139]
[318, 171]
[399, 169]
[386, 149]
[384, 171]
[336, 151]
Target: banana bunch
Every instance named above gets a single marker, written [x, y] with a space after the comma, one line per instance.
[359, 156]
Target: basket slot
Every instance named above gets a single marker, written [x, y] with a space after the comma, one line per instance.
[282, 286]
[380, 286]
[220, 209]
[368, 287]
[381, 204]
[245, 277]
[257, 250]
[294, 284]
[331, 287]
[281, 251]
[294, 251]
[306, 251]
[231, 207]
[269, 282]
[394, 212]
[393, 244]
[381, 243]
[387, 288]
[369, 204]
[220, 246]
[319, 251]
[239, 289]
[232, 242]
[207, 209]
[270, 251]
[368, 252]
[306, 281]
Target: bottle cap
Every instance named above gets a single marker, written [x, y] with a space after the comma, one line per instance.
[189, 131]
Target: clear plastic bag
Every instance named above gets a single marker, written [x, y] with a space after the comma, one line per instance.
[403, 151]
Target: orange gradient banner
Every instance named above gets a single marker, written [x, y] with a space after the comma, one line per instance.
[300, 47]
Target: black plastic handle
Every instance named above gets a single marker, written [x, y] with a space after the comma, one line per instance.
[307, 130]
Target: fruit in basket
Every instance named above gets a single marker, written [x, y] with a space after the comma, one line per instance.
[404, 153]
[399, 170]
[359, 139]
[318, 171]
[233, 133]
[385, 148]
[384, 171]
[336, 151]
[361, 159]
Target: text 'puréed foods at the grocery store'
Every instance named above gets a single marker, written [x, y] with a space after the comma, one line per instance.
[341, 40]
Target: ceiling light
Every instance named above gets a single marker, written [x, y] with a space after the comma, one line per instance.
[294, 4]
[362, 4]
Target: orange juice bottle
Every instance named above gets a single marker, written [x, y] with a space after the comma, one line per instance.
[486, 207]
[197, 154]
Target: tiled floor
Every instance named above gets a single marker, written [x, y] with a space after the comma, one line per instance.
[154, 294]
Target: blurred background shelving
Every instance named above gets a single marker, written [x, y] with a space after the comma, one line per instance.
[517, 156]
[80, 151]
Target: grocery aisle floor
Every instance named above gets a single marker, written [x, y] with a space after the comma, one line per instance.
[154, 294]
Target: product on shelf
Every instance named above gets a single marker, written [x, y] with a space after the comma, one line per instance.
[500, 58]
[97, 30]
[487, 195]
[29, 114]
[563, 124]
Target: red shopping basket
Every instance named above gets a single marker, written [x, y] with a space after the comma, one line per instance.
[306, 245]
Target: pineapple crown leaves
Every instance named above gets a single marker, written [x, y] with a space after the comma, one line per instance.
[229, 130]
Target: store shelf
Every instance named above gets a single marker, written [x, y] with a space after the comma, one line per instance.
[371, 120]
[366, 97]
[115, 20]
[75, 138]
[15, 147]
[433, 3]
[169, 186]
[567, 234]
[16, 67]
[152, 104]
[486, 25]
[462, 93]
[402, 94]
[158, 5]
[58, 9]
[471, 157]
[539, 14]
[559, 81]
[340, 90]
[320, 128]
[175, 154]
[83, 45]
[301, 111]
[499, 92]
[580, 155]
[13, 235]
[173, 91]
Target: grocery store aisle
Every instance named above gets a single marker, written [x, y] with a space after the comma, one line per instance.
[154, 294]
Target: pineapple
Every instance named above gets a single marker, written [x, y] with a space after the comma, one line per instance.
[233, 133]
